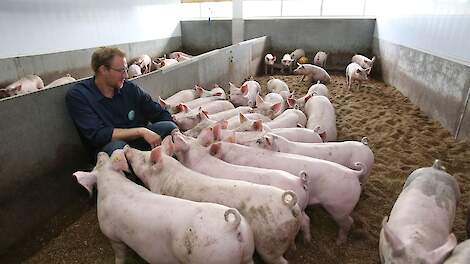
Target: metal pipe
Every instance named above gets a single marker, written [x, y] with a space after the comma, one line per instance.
[462, 115]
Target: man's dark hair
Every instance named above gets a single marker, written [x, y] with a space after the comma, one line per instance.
[104, 56]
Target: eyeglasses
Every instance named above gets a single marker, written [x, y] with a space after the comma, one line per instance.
[121, 70]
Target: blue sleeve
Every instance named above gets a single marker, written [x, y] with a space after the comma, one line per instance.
[151, 110]
[90, 125]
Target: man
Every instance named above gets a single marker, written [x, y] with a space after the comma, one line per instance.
[111, 112]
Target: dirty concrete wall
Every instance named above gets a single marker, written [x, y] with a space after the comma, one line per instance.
[340, 37]
[423, 52]
[41, 147]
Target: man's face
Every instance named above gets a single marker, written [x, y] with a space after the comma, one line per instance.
[116, 73]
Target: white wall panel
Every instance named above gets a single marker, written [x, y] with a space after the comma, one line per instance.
[31, 27]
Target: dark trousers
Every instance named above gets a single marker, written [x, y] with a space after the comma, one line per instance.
[162, 128]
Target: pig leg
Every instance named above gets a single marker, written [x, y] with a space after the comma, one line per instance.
[303, 77]
[265, 69]
[272, 69]
[305, 227]
[119, 252]
[343, 219]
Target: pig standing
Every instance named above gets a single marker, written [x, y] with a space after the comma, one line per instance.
[271, 212]
[275, 85]
[288, 118]
[134, 71]
[334, 186]
[460, 254]
[354, 72]
[346, 153]
[286, 63]
[163, 229]
[321, 116]
[298, 134]
[216, 91]
[320, 59]
[27, 84]
[245, 95]
[313, 72]
[269, 61]
[61, 81]
[364, 62]
[420, 223]
[234, 122]
[318, 89]
[230, 113]
[144, 62]
[182, 96]
[193, 154]
[297, 54]
[272, 106]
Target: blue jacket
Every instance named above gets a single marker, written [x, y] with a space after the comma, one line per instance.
[96, 116]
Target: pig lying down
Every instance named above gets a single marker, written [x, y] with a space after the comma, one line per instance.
[272, 213]
[163, 229]
[420, 223]
[27, 84]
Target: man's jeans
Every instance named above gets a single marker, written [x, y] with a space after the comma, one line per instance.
[163, 128]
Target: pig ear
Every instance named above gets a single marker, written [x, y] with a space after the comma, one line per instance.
[215, 148]
[180, 144]
[257, 125]
[203, 115]
[119, 161]
[206, 137]
[259, 100]
[156, 154]
[244, 89]
[373, 59]
[395, 243]
[439, 254]
[199, 90]
[242, 118]
[276, 107]
[86, 179]
[168, 145]
[291, 102]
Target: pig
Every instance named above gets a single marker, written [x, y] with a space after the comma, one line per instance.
[288, 118]
[331, 185]
[272, 213]
[286, 63]
[196, 103]
[235, 121]
[460, 254]
[181, 58]
[245, 95]
[205, 122]
[193, 154]
[175, 55]
[162, 62]
[299, 103]
[275, 85]
[61, 81]
[354, 72]
[364, 62]
[269, 61]
[321, 117]
[180, 97]
[346, 153]
[134, 71]
[211, 107]
[297, 54]
[298, 134]
[144, 62]
[27, 84]
[320, 59]
[186, 231]
[225, 115]
[216, 91]
[318, 89]
[420, 223]
[272, 107]
[314, 73]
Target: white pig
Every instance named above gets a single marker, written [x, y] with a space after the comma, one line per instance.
[175, 55]
[272, 106]
[275, 85]
[246, 94]
[297, 54]
[27, 84]
[235, 121]
[162, 62]
[334, 186]
[346, 153]
[271, 212]
[364, 62]
[134, 71]
[321, 117]
[354, 72]
[286, 63]
[318, 89]
[269, 61]
[186, 232]
[288, 118]
[420, 223]
[144, 62]
[61, 81]
[225, 115]
[182, 96]
[320, 59]
[313, 72]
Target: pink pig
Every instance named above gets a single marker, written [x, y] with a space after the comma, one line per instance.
[289, 118]
[334, 186]
[314, 72]
[246, 94]
[321, 117]
[185, 231]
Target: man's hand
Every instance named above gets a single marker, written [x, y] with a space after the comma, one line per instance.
[151, 137]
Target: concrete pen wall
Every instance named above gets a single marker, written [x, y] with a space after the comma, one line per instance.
[41, 147]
